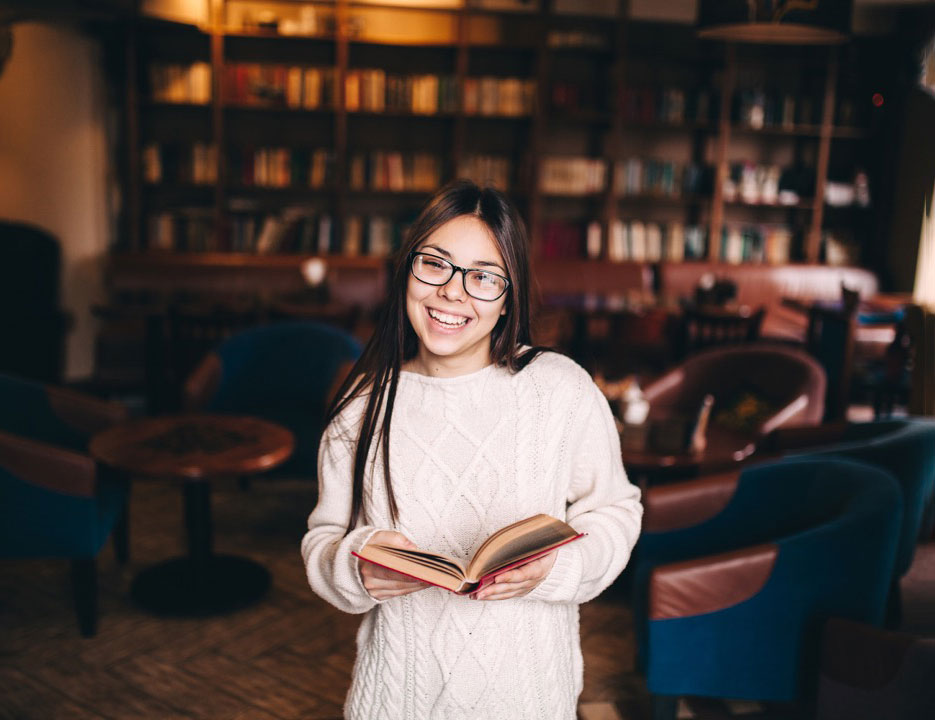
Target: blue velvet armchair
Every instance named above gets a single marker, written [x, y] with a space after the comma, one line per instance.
[54, 501]
[735, 574]
[903, 446]
[284, 372]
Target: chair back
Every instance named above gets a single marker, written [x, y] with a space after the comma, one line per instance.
[31, 319]
[705, 326]
[868, 673]
[283, 372]
[52, 415]
[906, 448]
[830, 338]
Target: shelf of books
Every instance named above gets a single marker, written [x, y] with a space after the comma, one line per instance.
[299, 129]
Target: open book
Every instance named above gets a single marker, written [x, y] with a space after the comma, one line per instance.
[507, 548]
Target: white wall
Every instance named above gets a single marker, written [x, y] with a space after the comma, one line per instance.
[53, 163]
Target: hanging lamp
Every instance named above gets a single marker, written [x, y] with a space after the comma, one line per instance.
[781, 22]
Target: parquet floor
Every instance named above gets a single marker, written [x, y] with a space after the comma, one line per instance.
[289, 656]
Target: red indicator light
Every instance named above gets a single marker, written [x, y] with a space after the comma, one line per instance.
[877, 100]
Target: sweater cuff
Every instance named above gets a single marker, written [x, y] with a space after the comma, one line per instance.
[358, 538]
[564, 579]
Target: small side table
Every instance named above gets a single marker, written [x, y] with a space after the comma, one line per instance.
[196, 449]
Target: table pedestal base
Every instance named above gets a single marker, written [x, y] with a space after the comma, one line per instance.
[219, 584]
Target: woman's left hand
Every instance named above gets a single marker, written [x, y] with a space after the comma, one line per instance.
[518, 581]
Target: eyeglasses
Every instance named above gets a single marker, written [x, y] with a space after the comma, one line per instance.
[479, 284]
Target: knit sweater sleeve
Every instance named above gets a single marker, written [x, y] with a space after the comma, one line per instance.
[602, 503]
[331, 568]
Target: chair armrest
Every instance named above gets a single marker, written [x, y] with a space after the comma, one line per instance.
[801, 437]
[84, 412]
[202, 383]
[664, 384]
[680, 505]
[711, 583]
[47, 466]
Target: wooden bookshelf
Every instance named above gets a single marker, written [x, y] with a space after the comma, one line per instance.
[466, 44]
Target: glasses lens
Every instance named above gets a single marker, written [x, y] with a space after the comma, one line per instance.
[430, 269]
[484, 285]
[478, 283]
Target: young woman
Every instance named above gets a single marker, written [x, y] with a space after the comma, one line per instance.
[449, 428]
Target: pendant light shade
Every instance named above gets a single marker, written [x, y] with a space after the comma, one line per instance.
[790, 22]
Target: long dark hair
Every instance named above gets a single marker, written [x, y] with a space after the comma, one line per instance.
[376, 374]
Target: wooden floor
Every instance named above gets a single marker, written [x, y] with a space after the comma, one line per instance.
[289, 656]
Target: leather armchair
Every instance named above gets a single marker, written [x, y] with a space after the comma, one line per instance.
[735, 573]
[792, 382]
[868, 673]
[285, 372]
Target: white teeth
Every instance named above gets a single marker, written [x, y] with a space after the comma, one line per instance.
[446, 319]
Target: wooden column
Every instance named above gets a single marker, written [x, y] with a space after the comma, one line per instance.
[538, 130]
[342, 53]
[134, 218]
[461, 72]
[615, 134]
[813, 241]
[217, 125]
[721, 168]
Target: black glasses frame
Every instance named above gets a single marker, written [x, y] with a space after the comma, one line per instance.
[457, 268]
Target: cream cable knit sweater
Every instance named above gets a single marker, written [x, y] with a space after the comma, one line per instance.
[469, 455]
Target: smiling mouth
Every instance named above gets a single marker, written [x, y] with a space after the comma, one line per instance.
[447, 320]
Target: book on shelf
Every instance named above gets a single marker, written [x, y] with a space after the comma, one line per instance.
[509, 547]
[496, 96]
[181, 230]
[675, 242]
[572, 175]
[617, 242]
[296, 87]
[755, 244]
[669, 105]
[638, 241]
[178, 83]
[493, 170]
[392, 171]
[593, 240]
[562, 239]
[280, 167]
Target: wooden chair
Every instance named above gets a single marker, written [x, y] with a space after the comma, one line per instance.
[179, 340]
[706, 326]
[830, 338]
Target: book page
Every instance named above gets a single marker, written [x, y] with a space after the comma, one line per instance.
[429, 567]
[516, 542]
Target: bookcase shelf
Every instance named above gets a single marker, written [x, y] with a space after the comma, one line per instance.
[628, 89]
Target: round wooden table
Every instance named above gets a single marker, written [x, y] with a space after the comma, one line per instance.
[196, 449]
[649, 465]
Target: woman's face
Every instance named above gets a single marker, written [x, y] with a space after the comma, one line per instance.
[454, 328]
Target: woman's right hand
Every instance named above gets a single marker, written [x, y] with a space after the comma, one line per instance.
[383, 583]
